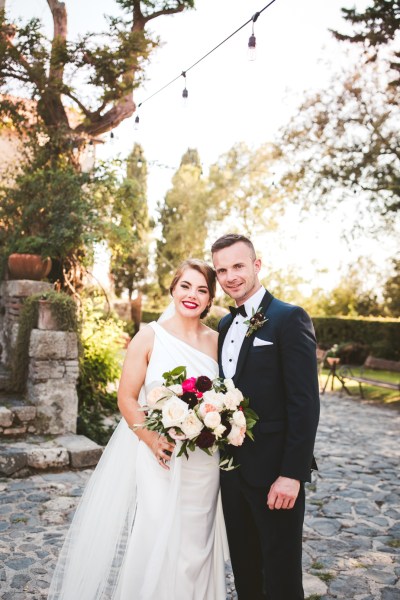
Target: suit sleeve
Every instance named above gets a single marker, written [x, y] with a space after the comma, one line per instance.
[300, 375]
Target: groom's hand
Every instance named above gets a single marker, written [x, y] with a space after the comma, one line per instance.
[283, 493]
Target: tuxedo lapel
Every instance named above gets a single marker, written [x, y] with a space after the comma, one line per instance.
[221, 338]
[248, 341]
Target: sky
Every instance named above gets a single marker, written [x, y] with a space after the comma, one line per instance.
[232, 99]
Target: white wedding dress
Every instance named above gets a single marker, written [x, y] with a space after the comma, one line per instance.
[141, 532]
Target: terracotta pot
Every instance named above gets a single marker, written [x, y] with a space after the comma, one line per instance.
[46, 319]
[28, 266]
[332, 360]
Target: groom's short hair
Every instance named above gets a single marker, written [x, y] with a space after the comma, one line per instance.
[232, 238]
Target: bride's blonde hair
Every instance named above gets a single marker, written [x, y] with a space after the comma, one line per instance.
[202, 267]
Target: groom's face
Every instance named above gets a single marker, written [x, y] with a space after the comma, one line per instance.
[237, 271]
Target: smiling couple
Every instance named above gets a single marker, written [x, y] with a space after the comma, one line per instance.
[150, 526]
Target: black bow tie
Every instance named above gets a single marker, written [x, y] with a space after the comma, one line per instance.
[238, 310]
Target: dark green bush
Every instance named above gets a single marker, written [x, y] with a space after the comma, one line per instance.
[102, 341]
[380, 337]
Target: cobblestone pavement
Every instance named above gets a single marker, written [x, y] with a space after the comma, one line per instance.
[352, 529]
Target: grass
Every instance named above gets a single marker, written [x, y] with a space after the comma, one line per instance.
[314, 597]
[372, 393]
[317, 565]
[325, 576]
[394, 543]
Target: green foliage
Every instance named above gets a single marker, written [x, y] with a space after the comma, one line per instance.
[49, 210]
[102, 340]
[243, 195]
[379, 335]
[391, 291]
[129, 227]
[183, 219]
[63, 309]
[374, 27]
[149, 316]
[107, 66]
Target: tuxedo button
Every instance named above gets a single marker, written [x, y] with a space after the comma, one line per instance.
[230, 360]
[232, 341]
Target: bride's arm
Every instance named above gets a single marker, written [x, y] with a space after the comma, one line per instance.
[132, 379]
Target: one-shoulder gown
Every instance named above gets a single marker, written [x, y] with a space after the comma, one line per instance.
[141, 532]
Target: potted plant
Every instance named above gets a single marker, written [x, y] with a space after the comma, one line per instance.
[332, 357]
[26, 261]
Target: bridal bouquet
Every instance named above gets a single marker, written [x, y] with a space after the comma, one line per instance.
[199, 412]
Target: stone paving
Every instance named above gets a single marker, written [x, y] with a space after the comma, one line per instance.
[352, 529]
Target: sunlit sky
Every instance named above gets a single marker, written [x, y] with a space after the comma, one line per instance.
[232, 99]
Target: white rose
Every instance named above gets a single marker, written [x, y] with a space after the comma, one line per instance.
[233, 398]
[157, 395]
[176, 389]
[218, 431]
[174, 412]
[239, 419]
[236, 435]
[212, 419]
[229, 384]
[192, 425]
[214, 398]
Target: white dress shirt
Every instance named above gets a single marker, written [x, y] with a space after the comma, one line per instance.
[237, 332]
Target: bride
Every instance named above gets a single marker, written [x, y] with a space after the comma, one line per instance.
[149, 525]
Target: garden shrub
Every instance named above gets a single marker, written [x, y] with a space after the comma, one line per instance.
[379, 336]
[102, 341]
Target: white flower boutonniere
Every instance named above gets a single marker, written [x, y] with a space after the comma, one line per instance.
[256, 321]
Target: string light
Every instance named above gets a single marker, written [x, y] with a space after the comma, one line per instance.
[185, 93]
[136, 126]
[252, 39]
[183, 73]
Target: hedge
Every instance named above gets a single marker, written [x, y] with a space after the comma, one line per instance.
[381, 336]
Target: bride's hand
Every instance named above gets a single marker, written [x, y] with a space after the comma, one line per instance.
[162, 450]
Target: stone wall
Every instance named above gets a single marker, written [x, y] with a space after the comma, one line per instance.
[53, 374]
[12, 295]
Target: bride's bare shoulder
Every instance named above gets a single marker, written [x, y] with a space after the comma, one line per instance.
[143, 339]
[210, 333]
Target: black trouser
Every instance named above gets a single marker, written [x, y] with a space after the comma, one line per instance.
[265, 545]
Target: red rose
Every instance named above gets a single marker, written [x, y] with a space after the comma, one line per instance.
[189, 385]
[203, 383]
[206, 439]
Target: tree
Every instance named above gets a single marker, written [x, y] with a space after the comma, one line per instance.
[376, 26]
[183, 219]
[345, 139]
[391, 291]
[129, 227]
[243, 195]
[110, 66]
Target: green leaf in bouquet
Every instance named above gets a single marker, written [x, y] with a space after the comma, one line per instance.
[183, 450]
[219, 385]
[245, 403]
[175, 376]
[251, 414]
[226, 464]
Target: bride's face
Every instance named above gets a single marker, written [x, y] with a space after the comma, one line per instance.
[191, 295]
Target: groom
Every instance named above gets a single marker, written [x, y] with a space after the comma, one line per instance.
[275, 367]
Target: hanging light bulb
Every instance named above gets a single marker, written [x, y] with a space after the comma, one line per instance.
[136, 125]
[252, 47]
[185, 92]
[252, 40]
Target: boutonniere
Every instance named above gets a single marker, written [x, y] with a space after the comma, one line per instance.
[256, 321]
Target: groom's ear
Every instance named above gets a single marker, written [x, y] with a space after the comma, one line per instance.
[257, 265]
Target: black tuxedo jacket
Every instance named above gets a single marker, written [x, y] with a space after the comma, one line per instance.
[281, 381]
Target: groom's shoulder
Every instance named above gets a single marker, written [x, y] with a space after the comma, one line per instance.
[286, 308]
[223, 321]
